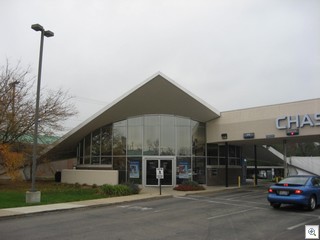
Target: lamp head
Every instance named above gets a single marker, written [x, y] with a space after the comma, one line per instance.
[37, 27]
[48, 33]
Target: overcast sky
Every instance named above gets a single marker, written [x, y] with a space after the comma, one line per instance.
[233, 54]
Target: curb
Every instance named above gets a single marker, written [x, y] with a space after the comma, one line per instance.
[9, 213]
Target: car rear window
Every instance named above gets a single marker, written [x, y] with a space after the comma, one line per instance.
[294, 180]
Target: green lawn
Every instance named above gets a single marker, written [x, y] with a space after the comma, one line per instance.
[13, 194]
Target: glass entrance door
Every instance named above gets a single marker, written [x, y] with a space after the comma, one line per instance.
[151, 174]
[150, 171]
[167, 172]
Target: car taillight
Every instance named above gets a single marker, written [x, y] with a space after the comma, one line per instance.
[297, 191]
[270, 190]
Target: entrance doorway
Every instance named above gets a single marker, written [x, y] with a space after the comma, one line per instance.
[150, 176]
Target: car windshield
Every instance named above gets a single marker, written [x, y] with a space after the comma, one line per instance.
[294, 180]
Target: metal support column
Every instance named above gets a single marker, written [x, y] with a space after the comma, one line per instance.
[227, 163]
[255, 166]
[285, 164]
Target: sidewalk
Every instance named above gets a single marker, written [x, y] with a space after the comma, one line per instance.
[146, 193]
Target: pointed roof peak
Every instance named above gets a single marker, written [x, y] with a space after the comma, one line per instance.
[156, 95]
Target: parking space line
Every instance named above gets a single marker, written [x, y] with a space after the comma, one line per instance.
[132, 207]
[233, 213]
[239, 196]
[231, 200]
[251, 195]
[301, 224]
[161, 210]
[234, 200]
[218, 202]
[244, 201]
[124, 206]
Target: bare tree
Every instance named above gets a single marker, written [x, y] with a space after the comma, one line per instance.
[17, 113]
[17, 105]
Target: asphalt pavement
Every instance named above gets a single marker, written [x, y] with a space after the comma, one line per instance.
[216, 213]
[146, 193]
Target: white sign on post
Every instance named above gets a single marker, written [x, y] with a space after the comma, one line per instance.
[159, 173]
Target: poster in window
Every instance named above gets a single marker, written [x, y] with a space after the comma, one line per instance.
[134, 169]
[183, 170]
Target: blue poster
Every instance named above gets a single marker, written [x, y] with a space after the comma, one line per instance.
[183, 170]
[134, 169]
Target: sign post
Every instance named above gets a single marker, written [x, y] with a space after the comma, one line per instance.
[159, 173]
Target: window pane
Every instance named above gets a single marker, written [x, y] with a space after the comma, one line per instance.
[213, 161]
[95, 160]
[106, 141]
[106, 160]
[183, 141]
[96, 140]
[222, 161]
[183, 122]
[199, 170]
[198, 139]
[138, 121]
[212, 150]
[167, 136]
[222, 150]
[232, 151]
[151, 140]
[238, 152]
[120, 124]
[119, 163]
[87, 149]
[119, 138]
[135, 136]
[151, 135]
[151, 120]
[80, 152]
[234, 161]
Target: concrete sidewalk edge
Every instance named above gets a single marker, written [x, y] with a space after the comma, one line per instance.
[146, 194]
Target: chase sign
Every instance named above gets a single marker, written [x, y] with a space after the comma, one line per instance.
[298, 121]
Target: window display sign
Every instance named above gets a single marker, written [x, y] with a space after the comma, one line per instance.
[183, 170]
[134, 169]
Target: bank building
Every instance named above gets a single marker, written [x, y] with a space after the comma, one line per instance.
[159, 124]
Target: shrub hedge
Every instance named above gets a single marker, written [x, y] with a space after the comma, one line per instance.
[189, 186]
[119, 190]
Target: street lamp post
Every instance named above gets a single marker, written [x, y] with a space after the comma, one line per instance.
[33, 195]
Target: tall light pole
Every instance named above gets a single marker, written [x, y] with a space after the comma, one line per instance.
[33, 195]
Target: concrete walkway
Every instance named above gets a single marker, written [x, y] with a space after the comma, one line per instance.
[146, 193]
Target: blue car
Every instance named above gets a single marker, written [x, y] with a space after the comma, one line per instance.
[299, 190]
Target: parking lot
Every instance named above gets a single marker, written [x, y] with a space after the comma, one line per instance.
[246, 214]
[230, 214]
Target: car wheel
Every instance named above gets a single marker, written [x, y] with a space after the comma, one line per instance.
[276, 205]
[312, 203]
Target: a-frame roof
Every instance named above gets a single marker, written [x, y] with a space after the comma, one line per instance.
[156, 95]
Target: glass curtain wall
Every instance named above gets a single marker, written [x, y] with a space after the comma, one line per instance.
[106, 145]
[167, 136]
[151, 137]
[96, 147]
[199, 152]
[122, 145]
